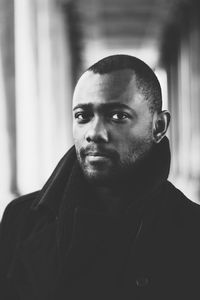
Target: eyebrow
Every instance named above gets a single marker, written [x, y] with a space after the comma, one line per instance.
[103, 106]
[83, 106]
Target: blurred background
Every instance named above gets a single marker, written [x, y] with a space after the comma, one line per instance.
[44, 47]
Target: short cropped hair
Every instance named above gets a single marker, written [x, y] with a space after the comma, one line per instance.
[146, 80]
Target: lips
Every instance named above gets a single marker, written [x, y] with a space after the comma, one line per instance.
[97, 157]
[97, 154]
[94, 153]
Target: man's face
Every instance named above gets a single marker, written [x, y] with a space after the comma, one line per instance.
[112, 125]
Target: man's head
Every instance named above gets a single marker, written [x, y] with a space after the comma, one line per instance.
[118, 117]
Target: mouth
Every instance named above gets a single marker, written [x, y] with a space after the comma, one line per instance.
[99, 156]
[96, 157]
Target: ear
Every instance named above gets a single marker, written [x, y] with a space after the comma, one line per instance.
[160, 124]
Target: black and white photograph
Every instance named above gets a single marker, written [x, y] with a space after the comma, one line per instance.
[99, 149]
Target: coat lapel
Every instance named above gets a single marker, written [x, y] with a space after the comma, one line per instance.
[94, 258]
[38, 270]
[94, 236]
[35, 266]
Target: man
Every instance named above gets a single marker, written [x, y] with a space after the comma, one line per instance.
[107, 224]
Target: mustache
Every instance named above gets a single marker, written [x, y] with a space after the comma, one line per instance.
[94, 150]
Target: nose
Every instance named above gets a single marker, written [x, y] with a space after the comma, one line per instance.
[97, 131]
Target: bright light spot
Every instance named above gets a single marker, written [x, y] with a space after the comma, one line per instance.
[162, 77]
[5, 174]
[26, 98]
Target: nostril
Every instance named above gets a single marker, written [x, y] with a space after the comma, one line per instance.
[99, 136]
[88, 139]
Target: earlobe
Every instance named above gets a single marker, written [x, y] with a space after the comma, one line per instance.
[161, 123]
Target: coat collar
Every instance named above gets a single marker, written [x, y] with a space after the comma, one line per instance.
[148, 175]
[67, 192]
[51, 194]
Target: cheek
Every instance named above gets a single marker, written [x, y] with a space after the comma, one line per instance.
[78, 134]
[122, 140]
[141, 132]
[132, 139]
[123, 136]
[78, 143]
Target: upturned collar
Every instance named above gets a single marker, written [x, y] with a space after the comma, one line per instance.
[67, 182]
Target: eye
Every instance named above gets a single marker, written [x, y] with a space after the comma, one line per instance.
[82, 117]
[119, 116]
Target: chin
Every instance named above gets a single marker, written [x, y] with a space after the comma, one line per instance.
[98, 178]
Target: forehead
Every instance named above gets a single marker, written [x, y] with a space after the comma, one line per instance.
[102, 88]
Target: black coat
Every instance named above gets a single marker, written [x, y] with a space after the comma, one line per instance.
[54, 247]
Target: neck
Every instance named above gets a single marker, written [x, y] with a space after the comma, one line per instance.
[114, 200]
[109, 198]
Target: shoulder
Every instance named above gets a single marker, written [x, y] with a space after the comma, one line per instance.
[181, 205]
[16, 211]
[179, 197]
[12, 222]
[22, 203]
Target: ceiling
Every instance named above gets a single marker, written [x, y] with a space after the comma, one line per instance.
[131, 26]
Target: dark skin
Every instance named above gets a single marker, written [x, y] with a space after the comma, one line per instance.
[113, 130]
